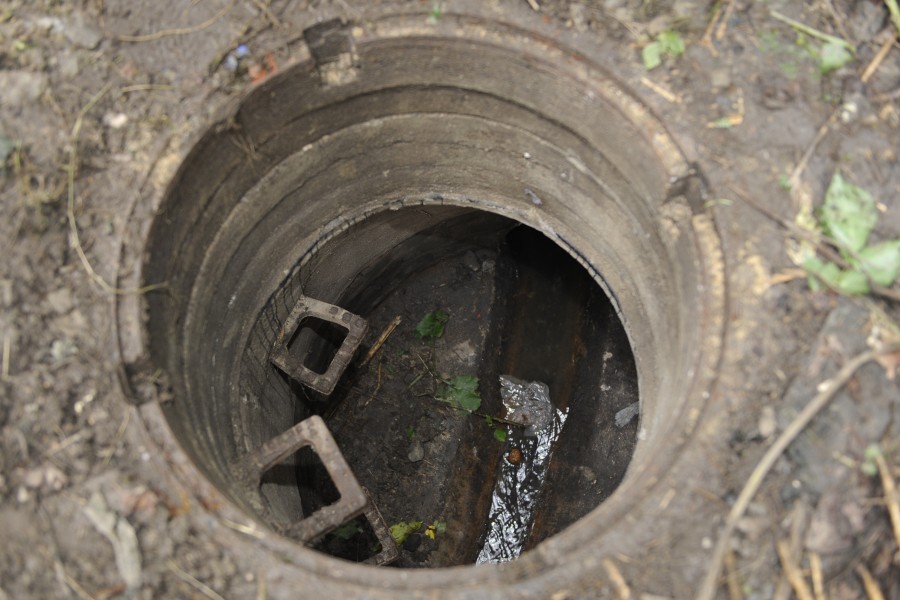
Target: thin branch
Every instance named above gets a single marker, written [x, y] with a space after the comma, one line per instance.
[149, 37]
[802, 27]
[827, 390]
[75, 238]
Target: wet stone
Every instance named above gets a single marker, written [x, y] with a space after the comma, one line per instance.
[416, 451]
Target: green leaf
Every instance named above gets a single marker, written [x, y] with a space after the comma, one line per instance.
[347, 530]
[853, 282]
[834, 55]
[652, 55]
[849, 213]
[827, 272]
[402, 530]
[869, 468]
[881, 262]
[500, 435]
[463, 391]
[432, 325]
[671, 43]
[872, 452]
[410, 432]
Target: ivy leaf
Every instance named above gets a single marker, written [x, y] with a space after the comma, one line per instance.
[463, 391]
[850, 282]
[652, 55]
[853, 282]
[849, 213]
[827, 272]
[834, 55]
[402, 530]
[432, 325]
[500, 435]
[671, 43]
[881, 262]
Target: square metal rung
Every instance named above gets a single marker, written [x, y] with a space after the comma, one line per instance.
[292, 363]
[313, 433]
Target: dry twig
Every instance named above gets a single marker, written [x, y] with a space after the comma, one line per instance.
[877, 59]
[869, 583]
[382, 339]
[665, 93]
[723, 24]
[149, 37]
[75, 238]
[890, 495]
[706, 40]
[734, 586]
[827, 390]
[818, 582]
[615, 576]
[804, 28]
[792, 571]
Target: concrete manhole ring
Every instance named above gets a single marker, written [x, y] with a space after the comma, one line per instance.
[383, 118]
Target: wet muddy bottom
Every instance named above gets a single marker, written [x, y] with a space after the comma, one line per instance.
[522, 308]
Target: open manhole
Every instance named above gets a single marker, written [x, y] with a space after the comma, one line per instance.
[464, 172]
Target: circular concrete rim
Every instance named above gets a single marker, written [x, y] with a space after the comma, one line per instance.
[575, 552]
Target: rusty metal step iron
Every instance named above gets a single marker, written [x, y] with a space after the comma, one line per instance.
[354, 499]
[292, 362]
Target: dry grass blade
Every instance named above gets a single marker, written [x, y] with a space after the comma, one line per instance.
[793, 572]
[890, 495]
[193, 581]
[382, 339]
[734, 586]
[873, 592]
[815, 567]
[149, 37]
[827, 390]
[706, 40]
[74, 236]
[623, 592]
[804, 28]
[877, 59]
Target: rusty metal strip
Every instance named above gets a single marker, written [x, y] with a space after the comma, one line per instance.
[314, 433]
[292, 364]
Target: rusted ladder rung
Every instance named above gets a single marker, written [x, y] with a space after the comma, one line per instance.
[354, 499]
[292, 364]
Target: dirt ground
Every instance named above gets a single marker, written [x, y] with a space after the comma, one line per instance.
[105, 89]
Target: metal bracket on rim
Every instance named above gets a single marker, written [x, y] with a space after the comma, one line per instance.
[354, 499]
[306, 307]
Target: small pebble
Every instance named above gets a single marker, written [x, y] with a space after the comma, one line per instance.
[416, 451]
[514, 457]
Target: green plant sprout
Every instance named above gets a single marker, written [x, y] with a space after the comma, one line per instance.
[402, 530]
[869, 466]
[462, 392]
[432, 325]
[499, 433]
[667, 43]
[847, 219]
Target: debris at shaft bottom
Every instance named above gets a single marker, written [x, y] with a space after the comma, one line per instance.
[519, 485]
